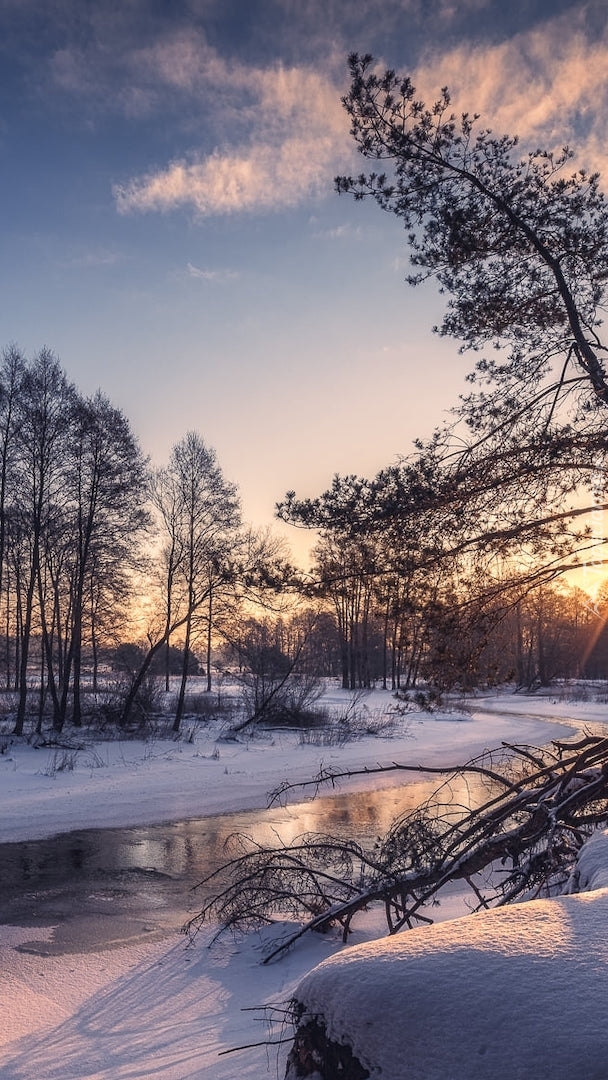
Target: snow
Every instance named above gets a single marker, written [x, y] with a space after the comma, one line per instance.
[123, 783]
[510, 994]
[592, 865]
[160, 1008]
[155, 1010]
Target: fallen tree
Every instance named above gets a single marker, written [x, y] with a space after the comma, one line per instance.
[508, 824]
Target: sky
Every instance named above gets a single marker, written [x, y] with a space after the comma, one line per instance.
[170, 226]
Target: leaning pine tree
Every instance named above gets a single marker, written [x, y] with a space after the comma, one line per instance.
[519, 246]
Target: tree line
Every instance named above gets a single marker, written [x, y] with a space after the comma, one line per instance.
[527, 640]
[433, 556]
[405, 587]
[72, 514]
[419, 590]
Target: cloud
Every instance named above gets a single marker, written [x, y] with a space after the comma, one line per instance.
[131, 65]
[547, 85]
[281, 133]
[299, 137]
[340, 232]
[261, 136]
[260, 178]
[358, 23]
[219, 276]
[267, 135]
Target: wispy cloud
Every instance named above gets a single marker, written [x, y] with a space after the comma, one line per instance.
[547, 85]
[262, 177]
[268, 135]
[338, 232]
[299, 136]
[220, 277]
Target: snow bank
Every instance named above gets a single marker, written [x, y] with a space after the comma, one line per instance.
[510, 994]
[123, 783]
[592, 864]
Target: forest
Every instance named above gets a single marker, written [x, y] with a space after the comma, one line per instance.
[116, 576]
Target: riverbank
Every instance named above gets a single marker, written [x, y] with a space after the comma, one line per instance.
[159, 1008]
[98, 784]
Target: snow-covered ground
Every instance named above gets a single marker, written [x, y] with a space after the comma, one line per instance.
[518, 993]
[46, 791]
[160, 1008]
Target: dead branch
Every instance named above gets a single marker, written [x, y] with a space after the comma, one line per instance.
[333, 776]
[527, 812]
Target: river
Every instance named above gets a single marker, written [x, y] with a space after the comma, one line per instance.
[99, 888]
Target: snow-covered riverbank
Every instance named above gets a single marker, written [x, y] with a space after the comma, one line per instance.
[158, 1008]
[50, 790]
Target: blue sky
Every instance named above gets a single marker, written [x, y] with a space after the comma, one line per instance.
[170, 229]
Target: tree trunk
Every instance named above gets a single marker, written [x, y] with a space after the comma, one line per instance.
[209, 625]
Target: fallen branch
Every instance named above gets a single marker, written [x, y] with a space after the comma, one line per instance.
[517, 834]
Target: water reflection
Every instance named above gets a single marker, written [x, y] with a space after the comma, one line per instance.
[103, 886]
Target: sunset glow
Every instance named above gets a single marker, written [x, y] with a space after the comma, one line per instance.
[172, 232]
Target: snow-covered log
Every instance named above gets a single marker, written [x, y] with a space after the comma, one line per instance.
[514, 993]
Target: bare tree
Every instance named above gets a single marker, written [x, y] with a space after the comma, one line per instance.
[45, 426]
[274, 688]
[71, 511]
[210, 518]
[199, 514]
[345, 565]
[12, 372]
[109, 494]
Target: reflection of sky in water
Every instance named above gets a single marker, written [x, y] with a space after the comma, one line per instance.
[194, 847]
[187, 851]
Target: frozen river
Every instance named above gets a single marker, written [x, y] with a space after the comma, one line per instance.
[103, 887]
